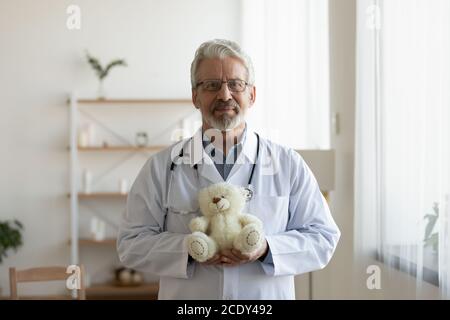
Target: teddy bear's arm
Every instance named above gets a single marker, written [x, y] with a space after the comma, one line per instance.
[246, 219]
[199, 224]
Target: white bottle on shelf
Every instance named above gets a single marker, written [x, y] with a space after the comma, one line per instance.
[87, 181]
[83, 138]
[123, 186]
[90, 129]
[98, 229]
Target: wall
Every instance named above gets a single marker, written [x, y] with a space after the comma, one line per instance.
[335, 280]
[42, 62]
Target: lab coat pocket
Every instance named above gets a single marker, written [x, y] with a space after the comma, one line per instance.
[179, 222]
[179, 216]
[182, 205]
[272, 210]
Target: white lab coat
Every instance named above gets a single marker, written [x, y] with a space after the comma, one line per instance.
[300, 230]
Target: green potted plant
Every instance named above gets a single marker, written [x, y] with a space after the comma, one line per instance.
[10, 237]
[102, 72]
[432, 238]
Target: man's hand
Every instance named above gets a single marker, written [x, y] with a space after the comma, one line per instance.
[214, 260]
[234, 257]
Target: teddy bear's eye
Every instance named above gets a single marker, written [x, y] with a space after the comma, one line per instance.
[222, 196]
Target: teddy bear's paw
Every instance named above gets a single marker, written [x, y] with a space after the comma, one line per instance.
[249, 239]
[201, 247]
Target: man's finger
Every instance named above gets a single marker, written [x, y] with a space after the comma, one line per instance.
[229, 254]
[214, 260]
[230, 259]
[227, 259]
[229, 262]
[239, 255]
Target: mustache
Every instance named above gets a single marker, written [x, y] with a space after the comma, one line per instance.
[222, 104]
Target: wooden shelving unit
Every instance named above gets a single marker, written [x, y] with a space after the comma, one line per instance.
[102, 195]
[107, 290]
[134, 101]
[120, 148]
[97, 195]
[111, 242]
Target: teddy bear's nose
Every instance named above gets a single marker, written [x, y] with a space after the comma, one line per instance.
[215, 200]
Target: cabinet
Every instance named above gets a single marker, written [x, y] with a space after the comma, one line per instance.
[118, 148]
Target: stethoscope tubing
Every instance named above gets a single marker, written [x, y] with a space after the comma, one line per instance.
[173, 165]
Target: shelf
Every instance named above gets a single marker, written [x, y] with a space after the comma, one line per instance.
[97, 195]
[108, 290]
[134, 101]
[121, 148]
[104, 242]
[40, 297]
[108, 242]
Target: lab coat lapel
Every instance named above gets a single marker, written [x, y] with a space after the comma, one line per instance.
[197, 155]
[208, 170]
[246, 158]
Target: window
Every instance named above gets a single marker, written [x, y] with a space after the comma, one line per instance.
[403, 137]
[288, 43]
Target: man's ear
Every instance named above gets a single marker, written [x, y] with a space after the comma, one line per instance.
[194, 98]
[252, 95]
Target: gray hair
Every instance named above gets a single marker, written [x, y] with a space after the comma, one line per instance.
[220, 48]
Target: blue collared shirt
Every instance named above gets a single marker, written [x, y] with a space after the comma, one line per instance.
[223, 163]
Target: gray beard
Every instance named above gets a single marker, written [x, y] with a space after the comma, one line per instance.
[225, 122]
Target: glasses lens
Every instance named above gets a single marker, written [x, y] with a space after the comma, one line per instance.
[236, 85]
[212, 85]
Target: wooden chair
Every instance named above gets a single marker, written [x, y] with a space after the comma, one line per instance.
[44, 274]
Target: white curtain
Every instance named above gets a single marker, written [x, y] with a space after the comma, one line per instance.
[288, 43]
[402, 159]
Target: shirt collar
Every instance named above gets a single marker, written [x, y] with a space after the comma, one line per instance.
[195, 151]
[207, 140]
[238, 146]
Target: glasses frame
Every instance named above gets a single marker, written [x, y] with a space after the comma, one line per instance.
[222, 82]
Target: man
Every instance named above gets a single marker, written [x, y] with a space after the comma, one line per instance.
[301, 235]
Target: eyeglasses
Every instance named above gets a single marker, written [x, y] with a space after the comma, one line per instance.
[234, 85]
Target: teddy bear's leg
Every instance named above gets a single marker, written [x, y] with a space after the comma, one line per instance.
[201, 247]
[249, 239]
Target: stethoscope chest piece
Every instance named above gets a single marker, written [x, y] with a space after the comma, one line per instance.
[248, 193]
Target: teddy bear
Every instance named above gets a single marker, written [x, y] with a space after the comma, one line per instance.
[222, 224]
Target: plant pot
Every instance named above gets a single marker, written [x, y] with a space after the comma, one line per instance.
[101, 91]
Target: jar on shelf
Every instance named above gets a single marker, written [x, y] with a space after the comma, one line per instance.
[141, 139]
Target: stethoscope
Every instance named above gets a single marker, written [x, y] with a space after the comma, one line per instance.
[249, 190]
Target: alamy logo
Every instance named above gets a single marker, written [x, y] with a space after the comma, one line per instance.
[374, 280]
[74, 280]
[73, 21]
[373, 14]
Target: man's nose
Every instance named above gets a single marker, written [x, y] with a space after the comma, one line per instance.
[224, 93]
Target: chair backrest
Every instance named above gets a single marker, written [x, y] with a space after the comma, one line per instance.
[45, 274]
